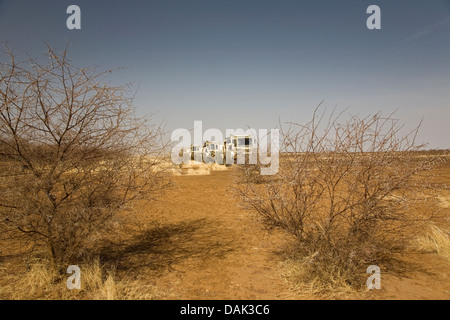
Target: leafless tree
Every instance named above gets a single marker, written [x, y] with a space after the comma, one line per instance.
[73, 154]
[343, 189]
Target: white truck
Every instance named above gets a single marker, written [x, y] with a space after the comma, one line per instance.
[194, 152]
[197, 153]
[212, 152]
[239, 147]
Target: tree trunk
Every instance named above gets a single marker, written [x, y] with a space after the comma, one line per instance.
[52, 255]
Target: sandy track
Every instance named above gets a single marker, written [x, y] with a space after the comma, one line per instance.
[227, 255]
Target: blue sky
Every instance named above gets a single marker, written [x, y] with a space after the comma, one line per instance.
[246, 63]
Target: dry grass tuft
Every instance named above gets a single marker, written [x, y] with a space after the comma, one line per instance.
[306, 283]
[38, 283]
[97, 283]
[444, 201]
[436, 241]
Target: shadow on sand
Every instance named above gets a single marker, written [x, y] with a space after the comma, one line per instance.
[159, 248]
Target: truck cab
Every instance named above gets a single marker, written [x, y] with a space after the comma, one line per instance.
[211, 149]
[196, 153]
[239, 144]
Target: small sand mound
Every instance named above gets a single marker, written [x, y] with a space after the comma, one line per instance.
[197, 168]
[217, 167]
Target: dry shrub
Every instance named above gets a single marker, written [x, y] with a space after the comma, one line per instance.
[249, 172]
[73, 155]
[344, 191]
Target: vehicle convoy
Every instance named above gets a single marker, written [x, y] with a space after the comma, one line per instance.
[233, 148]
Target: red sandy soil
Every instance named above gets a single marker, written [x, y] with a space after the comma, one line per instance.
[205, 246]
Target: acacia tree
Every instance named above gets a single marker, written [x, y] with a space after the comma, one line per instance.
[72, 154]
[343, 191]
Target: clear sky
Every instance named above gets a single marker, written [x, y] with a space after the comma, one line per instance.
[239, 63]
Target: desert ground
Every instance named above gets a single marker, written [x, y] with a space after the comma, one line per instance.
[197, 242]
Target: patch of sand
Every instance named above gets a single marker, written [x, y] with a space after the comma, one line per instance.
[197, 169]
